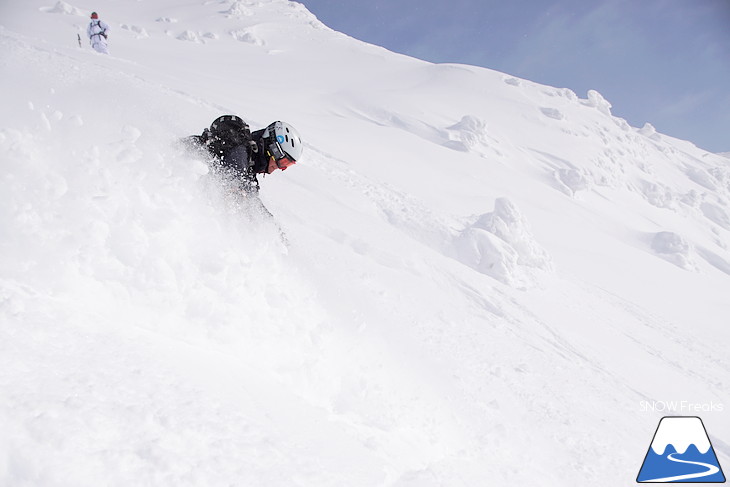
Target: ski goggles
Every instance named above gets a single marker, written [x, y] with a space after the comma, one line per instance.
[282, 158]
[285, 162]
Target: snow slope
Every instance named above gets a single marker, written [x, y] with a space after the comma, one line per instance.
[484, 277]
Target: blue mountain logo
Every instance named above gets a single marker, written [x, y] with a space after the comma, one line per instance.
[681, 452]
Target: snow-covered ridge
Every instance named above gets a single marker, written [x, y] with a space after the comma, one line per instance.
[480, 277]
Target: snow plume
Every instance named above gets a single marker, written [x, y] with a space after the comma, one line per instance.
[139, 226]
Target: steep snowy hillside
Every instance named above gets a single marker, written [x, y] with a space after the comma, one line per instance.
[483, 280]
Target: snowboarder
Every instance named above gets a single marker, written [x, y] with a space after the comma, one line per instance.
[239, 155]
[98, 31]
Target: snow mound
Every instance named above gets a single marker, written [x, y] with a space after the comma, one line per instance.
[673, 248]
[553, 113]
[716, 213]
[572, 179]
[467, 133]
[650, 132]
[471, 134]
[501, 245]
[721, 175]
[246, 36]
[658, 194]
[702, 177]
[597, 101]
[140, 32]
[239, 9]
[62, 7]
[197, 37]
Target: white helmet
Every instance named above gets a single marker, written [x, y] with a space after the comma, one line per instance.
[282, 140]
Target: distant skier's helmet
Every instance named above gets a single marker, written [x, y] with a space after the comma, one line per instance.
[283, 143]
[94, 15]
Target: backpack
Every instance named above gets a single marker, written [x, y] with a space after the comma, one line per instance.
[103, 30]
[230, 141]
[227, 132]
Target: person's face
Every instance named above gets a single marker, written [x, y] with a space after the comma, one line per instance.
[280, 164]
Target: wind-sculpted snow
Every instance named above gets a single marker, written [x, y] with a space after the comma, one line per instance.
[650, 132]
[501, 245]
[674, 248]
[597, 101]
[62, 7]
[471, 134]
[468, 279]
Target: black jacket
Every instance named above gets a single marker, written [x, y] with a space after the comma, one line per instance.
[236, 161]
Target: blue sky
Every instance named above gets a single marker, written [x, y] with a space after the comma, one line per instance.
[666, 62]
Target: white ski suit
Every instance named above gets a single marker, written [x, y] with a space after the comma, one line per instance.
[97, 31]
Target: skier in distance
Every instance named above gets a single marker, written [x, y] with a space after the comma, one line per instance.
[98, 31]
